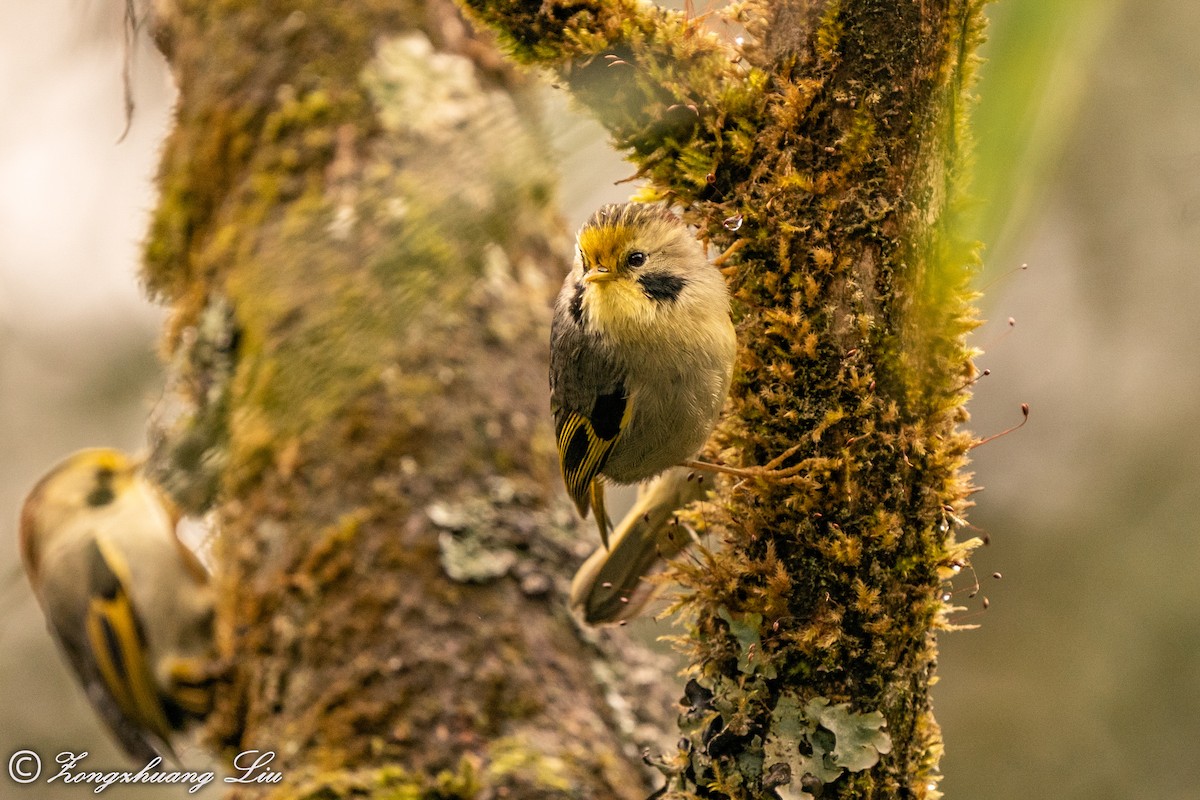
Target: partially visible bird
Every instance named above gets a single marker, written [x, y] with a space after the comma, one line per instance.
[129, 605]
[641, 352]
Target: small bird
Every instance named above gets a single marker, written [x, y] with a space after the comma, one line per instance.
[129, 605]
[641, 352]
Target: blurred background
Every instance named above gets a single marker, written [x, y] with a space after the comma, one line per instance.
[1083, 678]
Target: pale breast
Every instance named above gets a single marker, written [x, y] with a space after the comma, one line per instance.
[677, 393]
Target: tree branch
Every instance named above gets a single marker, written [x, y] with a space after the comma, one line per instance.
[647, 73]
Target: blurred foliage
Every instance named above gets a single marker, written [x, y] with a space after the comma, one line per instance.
[1084, 681]
[1030, 87]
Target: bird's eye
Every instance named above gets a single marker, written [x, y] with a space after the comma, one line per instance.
[635, 259]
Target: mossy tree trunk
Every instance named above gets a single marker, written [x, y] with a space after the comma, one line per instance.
[357, 235]
[828, 150]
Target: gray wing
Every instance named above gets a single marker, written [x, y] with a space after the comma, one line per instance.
[588, 396]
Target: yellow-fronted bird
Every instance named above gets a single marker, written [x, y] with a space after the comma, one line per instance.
[641, 352]
[129, 605]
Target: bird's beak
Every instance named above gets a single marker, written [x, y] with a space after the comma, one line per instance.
[599, 274]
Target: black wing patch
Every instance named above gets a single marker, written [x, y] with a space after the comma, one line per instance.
[587, 394]
[585, 442]
[578, 445]
[118, 644]
[103, 581]
[608, 413]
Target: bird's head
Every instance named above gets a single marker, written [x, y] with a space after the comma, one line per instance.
[633, 261]
[624, 241]
[85, 481]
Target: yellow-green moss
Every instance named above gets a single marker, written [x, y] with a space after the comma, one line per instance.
[514, 758]
[387, 783]
[370, 216]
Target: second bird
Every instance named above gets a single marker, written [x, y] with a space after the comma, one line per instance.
[129, 605]
[641, 352]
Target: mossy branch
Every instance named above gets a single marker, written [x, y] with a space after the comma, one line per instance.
[829, 150]
[649, 74]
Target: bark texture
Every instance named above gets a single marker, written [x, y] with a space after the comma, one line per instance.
[357, 235]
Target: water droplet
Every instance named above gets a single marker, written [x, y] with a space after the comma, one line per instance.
[733, 223]
[946, 597]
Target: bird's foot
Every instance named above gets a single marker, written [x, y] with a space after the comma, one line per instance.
[771, 471]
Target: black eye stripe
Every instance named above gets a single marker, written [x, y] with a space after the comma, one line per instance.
[661, 286]
[102, 495]
[102, 491]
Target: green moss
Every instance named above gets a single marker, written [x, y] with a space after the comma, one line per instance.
[422, 251]
[512, 758]
[388, 783]
[829, 33]
[266, 135]
[643, 70]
